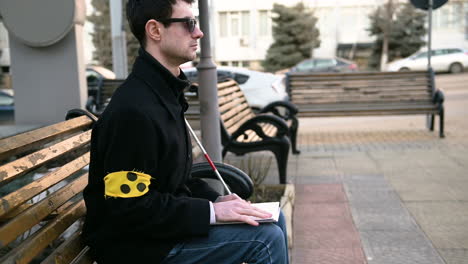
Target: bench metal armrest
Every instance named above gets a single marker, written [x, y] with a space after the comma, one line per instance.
[237, 180]
[253, 124]
[438, 97]
[291, 109]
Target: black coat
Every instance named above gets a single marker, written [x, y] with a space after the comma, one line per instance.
[143, 130]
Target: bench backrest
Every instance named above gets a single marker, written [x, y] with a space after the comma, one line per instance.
[234, 109]
[360, 88]
[105, 90]
[42, 175]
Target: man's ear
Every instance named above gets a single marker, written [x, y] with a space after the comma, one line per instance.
[153, 29]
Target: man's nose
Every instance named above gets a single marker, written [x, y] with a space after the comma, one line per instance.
[197, 33]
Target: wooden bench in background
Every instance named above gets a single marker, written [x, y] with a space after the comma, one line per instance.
[100, 95]
[364, 94]
[243, 131]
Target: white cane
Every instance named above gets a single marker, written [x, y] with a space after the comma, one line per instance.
[207, 157]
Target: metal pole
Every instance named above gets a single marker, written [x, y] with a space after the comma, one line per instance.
[207, 91]
[429, 41]
[119, 47]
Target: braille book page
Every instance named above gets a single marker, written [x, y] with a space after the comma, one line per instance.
[272, 207]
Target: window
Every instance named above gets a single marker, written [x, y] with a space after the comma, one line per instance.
[235, 63]
[246, 64]
[452, 51]
[457, 19]
[234, 24]
[306, 65]
[324, 63]
[466, 25]
[6, 99]
[240, 78]
[245, 23]
[421, 55]
[263, 23]
[223, 27]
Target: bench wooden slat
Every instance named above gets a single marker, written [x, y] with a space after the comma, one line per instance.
[67, 251]
[25, 164]
[364, 100]
[13, 200]
[359, 75]
[226, 84]
[83, 258]
[345, 83]
[235, 122]
[30, 248]
[336, 90]
[366, 113]
[40, 210]
[237, 110]
[29, 140]
[226, 91]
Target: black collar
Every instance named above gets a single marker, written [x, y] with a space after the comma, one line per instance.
[167, 86]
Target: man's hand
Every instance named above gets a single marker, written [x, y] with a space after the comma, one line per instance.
[233, 208]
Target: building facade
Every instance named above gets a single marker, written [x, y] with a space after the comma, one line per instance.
[242, 30]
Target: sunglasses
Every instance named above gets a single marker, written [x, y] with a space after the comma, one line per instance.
[191, 23]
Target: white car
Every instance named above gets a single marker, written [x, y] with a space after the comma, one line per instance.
[260, 88]
[452, 60]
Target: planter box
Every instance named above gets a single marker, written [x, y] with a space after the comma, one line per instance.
[287, 205]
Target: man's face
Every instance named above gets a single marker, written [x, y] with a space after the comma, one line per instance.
[179, 45]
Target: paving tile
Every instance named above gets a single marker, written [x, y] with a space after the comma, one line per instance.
[323, 210]
[402, 256]
[318, 179]
[329, 193]
[328, 256]
[319, 224]
[326, 239]
[454, 256]
[414, 240]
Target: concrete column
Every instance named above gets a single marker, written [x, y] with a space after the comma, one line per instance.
[48, 81]
[47, 60]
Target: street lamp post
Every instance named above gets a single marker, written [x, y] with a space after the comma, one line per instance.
[207, 91]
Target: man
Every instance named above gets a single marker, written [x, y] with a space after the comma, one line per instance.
[142, 204]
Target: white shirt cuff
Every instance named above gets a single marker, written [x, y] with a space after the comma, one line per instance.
[212, 214]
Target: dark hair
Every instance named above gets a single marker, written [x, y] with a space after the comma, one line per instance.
[140, 11]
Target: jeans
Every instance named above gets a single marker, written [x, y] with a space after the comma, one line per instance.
[265, 244]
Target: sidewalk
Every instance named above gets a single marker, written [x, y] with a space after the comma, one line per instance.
[380, 190]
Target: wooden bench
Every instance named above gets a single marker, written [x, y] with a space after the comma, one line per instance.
[243, 131]
[282, 109]
[42, 175]
[364, 94]
[101, 93]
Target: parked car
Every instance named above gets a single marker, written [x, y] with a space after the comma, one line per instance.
[325, 65]
[452, 60]
[260, 88]
[7, 108]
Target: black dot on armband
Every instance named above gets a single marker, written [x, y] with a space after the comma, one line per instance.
[131, 176]
[141, 187]
[125, 188]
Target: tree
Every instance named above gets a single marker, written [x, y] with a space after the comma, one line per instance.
[399, 32]
[294, 36]
[102, 38]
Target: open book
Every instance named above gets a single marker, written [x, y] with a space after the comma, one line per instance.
[273, 208]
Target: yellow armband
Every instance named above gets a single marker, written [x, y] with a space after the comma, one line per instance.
[126, 184]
